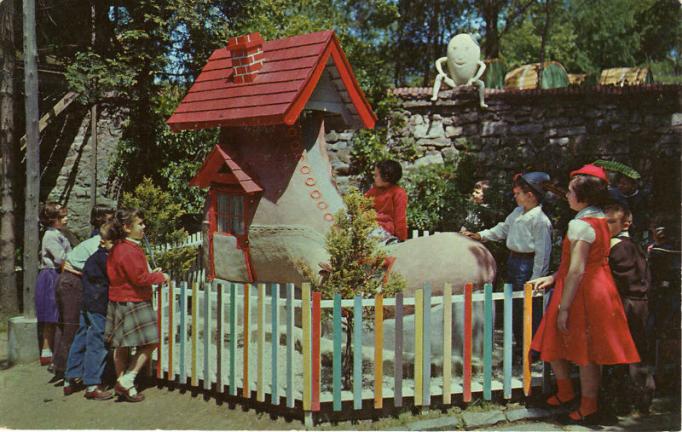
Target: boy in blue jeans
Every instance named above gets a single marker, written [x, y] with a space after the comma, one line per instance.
[88, 353]
[528, 234]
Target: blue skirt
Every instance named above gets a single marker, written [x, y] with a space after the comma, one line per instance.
[46, 303]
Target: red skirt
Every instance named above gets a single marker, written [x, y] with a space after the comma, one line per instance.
[597, 327]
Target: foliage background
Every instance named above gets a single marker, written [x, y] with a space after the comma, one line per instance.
[139, 57]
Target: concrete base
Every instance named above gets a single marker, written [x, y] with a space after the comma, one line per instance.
[23, 340]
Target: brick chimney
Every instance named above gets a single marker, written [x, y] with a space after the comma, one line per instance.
[247, 56]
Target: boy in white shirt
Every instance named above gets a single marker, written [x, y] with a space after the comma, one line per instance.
[528, 234]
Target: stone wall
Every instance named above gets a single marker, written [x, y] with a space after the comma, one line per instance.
[68, 180]
[551, 130]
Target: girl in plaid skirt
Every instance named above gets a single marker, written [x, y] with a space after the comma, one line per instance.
[131, 321]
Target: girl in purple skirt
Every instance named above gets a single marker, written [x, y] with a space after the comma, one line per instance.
[53, 250]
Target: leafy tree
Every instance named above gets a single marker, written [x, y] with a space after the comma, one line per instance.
[523, 44]
[496, 13]
[422, 33]
[356, 264]
[162, 215]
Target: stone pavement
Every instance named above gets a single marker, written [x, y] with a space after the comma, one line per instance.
[665, 416]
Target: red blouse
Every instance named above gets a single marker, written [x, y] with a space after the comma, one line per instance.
[390, 204]
[129, 277]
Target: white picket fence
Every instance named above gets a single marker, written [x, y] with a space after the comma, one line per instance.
[196, 239]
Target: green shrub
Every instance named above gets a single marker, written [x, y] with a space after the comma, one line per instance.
[162, 220]
[356, 262]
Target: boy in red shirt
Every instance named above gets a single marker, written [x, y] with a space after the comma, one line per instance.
[390, 202]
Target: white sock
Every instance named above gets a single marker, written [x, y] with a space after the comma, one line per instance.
[92, 388]
[46, 352]
[127, 380]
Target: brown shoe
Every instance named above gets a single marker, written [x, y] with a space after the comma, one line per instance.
[125, 393]
[99, 394]
[74, 386]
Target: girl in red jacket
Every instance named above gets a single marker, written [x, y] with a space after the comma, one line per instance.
[390, 202]
[131, 320]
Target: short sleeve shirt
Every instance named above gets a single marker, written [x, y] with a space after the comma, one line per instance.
[578, 229]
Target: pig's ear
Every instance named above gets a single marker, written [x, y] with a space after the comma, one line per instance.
[475, 37]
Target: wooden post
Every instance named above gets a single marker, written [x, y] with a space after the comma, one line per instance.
[31, 237]
[357, 352]
[159, 324]
[246, 389]
[398, 386]
[426, 350]
[291, 402]
[488, 342]
[220, 343]
[378, 351]
[527, 335]
[171, 329]
[307, 369]
[418, 346]
[195, 332]
[316, 332]
[507, 363]
[447, 344]
[8, 278]
[260, 345]
[274, 392]
[336, 365]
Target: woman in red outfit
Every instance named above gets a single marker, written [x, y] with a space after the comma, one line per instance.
[131, 320]
[584, 323]
[390, 202]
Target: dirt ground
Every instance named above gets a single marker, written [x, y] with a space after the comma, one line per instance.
[28, 400]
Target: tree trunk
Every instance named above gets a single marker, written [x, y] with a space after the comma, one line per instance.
[543, 44]
[491, 45]
[31, 237]
[9, 300]
[93, 123]
[347, 363]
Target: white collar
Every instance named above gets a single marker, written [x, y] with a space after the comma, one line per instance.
[589, 211]
[632, 194]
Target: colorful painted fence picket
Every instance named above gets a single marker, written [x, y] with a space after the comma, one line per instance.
[272, 344]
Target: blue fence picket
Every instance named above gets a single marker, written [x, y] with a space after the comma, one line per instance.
[488, 342]
[290, 345]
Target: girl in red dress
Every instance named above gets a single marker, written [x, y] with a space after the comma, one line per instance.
[584, 322]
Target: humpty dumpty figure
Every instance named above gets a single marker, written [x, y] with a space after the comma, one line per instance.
[464, 66]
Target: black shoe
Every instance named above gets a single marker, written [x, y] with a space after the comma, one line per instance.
[588, 420]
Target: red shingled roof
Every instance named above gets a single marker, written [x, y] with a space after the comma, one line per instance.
[219, 167]
[291, 71]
